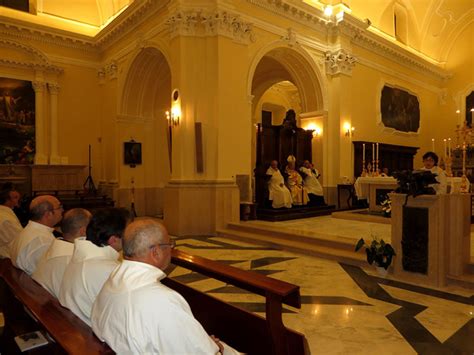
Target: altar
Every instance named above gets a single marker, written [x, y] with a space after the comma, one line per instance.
[375, 190]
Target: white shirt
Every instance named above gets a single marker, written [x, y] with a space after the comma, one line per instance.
[441, 177]
[86, 273]
[10, 228]
[136, 314]
[278, 192]
[52, 265]
[311, 181]
[27, 249]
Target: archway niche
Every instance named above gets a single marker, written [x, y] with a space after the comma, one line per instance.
[146, 98]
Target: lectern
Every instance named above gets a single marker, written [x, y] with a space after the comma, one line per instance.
[431, 236]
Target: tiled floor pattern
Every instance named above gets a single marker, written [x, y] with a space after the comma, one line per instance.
[345, 309]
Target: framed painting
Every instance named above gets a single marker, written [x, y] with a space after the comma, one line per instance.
[400, 110]
[17, 121]
[132, 153]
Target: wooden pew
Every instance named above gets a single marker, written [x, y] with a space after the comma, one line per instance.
[70, 333]
[244, 330]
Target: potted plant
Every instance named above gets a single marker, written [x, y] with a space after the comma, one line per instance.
[387, 207]
[377, 251]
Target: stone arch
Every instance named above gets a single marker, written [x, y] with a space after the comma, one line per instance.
[279, 62]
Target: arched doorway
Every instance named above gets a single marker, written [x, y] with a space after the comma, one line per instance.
[287, 78]
[145, 100]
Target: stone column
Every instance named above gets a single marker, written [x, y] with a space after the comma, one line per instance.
[40, 156]
[54, 157]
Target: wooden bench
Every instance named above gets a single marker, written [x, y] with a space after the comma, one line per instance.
[244, 330]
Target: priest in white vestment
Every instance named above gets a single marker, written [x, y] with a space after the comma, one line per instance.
[430, 163]
[27, 249]
[52, 265]
[92, 261]
[311, 182]
[136, 314]
[10, 226]
[278, 192]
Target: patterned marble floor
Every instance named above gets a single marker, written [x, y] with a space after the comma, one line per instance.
[346, 309]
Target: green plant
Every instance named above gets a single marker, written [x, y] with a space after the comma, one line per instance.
[378, 251]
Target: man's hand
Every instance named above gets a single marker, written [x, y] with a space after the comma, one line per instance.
[218, 343]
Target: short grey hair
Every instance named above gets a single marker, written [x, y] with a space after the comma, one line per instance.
[140, 235]
[39, 206]
[74, 220]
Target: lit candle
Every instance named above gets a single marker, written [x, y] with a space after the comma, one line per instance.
[363, 151]
[373, 152]
[432, 145]
[377, 157]
[449, 147]
[445, 149]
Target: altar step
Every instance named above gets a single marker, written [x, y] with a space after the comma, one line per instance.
[296, 212]
[322, 245]
[466, 280]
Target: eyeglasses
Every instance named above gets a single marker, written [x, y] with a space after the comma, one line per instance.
[171, 244]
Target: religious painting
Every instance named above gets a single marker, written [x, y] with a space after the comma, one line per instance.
[17, 121]
[400, 109]
[132, 153]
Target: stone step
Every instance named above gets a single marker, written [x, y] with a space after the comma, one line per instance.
[298, 246]
[466, 280]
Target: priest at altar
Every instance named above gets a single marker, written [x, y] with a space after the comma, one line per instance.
[278, 192]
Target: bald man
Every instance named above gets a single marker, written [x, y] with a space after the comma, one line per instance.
[27, 249]
[134, 313]
[50, 270]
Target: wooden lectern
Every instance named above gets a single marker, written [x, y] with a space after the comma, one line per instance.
[431, 236]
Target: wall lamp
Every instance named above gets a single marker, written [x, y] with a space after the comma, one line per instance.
[348, 130]
[174, 116]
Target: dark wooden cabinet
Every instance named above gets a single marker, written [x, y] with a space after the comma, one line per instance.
[393, 157]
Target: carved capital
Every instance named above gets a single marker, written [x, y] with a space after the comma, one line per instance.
[53, 88]
[339, 62]
[290, 37]
[39, 86]
[109, 71]
[202, 23]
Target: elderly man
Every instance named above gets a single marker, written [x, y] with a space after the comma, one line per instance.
[52, 265]
[10, 226]
[93, 260]
[278, 192]
[314, 188]
[134, 313]
[27, 249]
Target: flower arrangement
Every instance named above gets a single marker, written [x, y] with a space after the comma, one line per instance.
[377, 251]
[387, 207]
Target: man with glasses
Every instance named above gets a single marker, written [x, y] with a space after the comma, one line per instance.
[134, 313]
[430, 163]
[27, 249]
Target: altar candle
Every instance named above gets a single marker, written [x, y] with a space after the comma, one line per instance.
[373, 151]
[445, 152]
[432, 145]
[363, 151]
[377, 157]
[449, 147]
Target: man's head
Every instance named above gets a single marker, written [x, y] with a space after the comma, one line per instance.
[74, 223]
[147, 240]
[274, 164]
[430, 159]
[106, 227]
[307, 164]
[46, 210]
[9, 196]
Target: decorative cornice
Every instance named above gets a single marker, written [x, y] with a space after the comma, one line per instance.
[38, 86]
[38, 60]
[339, 62]
[210, 23]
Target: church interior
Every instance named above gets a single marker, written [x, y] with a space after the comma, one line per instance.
[176, 109]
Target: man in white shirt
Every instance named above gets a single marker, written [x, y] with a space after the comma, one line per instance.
[27, 249]
[430, 162]
[311, 182]
[50, 270]
[278, 192]
[93, 260]
[10, 226]
[136, 314]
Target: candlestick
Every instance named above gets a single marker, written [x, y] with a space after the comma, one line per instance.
[373, 152]
[432, 145]
[363, 151]
[449, 147]
[445, 149]
[377, 156]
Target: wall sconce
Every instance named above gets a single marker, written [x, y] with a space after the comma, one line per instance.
[174, 116]
[328, 11]
[317, 131]
[348, 130]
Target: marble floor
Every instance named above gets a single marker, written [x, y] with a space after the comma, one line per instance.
[345, 309]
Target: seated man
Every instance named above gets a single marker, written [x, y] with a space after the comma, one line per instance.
[299, 194]
[278, 192]
[93, 260]
[27, 249]
[10, 226]
[311, 182]
[136, 314]
[50, 270]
